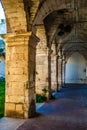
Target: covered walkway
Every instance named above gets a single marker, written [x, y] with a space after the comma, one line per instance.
[67, 112]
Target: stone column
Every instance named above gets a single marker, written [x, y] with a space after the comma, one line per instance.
[20, 75]
[41, 61]
[53, 68]
[49, 74]
[59, 72]
[63, 72]
[57, 84]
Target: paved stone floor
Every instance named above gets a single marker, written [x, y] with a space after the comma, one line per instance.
[10, 124]
[67, 112]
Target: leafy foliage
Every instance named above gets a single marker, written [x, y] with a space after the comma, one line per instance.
[2, 96]
[40, 98]
[44, 91]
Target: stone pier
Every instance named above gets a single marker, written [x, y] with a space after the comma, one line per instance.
[20, 75]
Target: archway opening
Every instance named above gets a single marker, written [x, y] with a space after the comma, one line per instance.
[3, 30]
[75, 69]
[2, 77]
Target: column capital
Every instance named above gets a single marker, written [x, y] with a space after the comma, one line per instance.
[13, 39]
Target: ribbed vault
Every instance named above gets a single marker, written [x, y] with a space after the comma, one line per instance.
[65, 24]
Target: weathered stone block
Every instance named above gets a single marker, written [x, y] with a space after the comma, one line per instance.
[16, 99]
[10, 106]
[16, 71]
[17, 78]
[19, 107]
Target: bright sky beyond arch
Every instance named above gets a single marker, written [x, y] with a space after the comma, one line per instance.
[2, 15]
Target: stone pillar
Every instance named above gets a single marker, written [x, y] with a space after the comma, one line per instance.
[53, 68]
[57, 84]
[49, 74]
[41, 61]
[59, 72]
[41, 70]
[20, 75]
[32, 71]
[63, 72]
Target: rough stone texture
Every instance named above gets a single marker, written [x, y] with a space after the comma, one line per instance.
[15, 16]
[63, 71]
[42, 64]
[53, 69]
[21, 48]
[60, 72]
[32, 69]
[20, 74]
[41, 61]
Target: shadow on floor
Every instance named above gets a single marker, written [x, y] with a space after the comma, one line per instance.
[67, 112]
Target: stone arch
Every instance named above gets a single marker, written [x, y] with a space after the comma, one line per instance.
[15, 16]
[47, 7]
[20, 61]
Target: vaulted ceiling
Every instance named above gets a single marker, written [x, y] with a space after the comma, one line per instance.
[65, 23]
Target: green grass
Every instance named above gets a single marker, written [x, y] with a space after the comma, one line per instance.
[2, 97]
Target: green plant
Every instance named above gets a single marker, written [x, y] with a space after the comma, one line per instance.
[44, 90]
[40, 98]
[2, 96]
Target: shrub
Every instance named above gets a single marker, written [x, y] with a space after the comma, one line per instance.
[40, 98]
[2, 96]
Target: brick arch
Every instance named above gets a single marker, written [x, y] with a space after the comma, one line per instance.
[15, 16]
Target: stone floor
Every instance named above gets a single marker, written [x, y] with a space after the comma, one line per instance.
[67, 112]
[10, 123]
